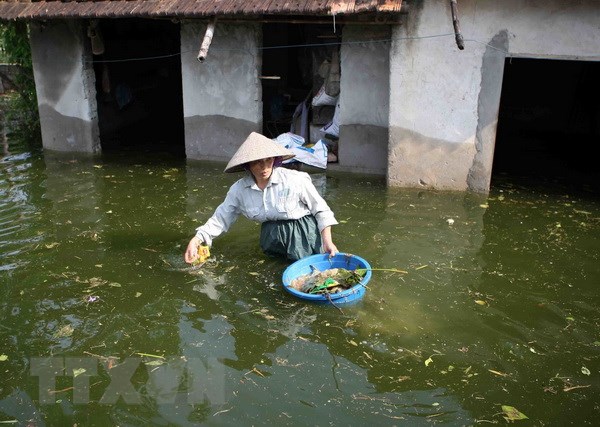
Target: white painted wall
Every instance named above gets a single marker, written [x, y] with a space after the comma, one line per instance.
[222, 96]
[444, 101]
[364, 88]
[364, 99]
[64, 80]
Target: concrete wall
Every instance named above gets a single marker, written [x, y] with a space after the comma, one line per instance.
[65, 86]
[444, 102]
[222, 97]
[364, 100]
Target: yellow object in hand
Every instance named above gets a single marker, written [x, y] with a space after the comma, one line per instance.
[203, 254]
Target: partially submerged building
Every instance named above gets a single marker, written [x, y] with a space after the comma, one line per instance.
[420, 83]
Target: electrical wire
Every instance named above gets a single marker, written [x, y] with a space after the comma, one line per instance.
[295, 46]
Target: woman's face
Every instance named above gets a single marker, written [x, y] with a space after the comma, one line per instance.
[262, 169]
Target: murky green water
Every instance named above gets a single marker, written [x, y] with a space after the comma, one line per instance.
[499, 306]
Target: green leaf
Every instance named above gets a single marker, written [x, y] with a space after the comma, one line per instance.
[78, 371]
[3, 357]
[428, 361]
[513, 414]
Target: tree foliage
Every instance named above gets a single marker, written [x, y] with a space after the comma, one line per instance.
[23, 109]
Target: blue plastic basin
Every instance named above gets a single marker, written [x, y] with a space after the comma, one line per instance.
[322, 262]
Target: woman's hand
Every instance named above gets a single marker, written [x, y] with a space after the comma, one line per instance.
[328, 246]
[191, 253]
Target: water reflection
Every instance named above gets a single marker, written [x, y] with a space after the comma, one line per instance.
[498, 305]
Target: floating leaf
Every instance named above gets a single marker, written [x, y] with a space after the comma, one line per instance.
[138, 294]
[572, 319]
[52, 245]
[501, 374]
[585, 371]
[254, 273]
[480, 302]
[428, 361]
[64, 331]
[154, 363]
[512, 414]
[78, 371]
[353, 343]
[3, 357]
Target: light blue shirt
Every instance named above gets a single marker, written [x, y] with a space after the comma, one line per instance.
[289, 194]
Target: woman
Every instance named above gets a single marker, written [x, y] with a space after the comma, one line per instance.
[296, 221]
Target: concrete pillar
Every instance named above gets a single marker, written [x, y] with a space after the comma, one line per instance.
[222, 96]
[65, 86]
[364, 100]
[433, 104]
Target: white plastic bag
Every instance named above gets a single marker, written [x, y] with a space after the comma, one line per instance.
[321, 98]
[289, 140]
[333, 127]
[313, 156]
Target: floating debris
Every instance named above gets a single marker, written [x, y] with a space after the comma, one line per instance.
[91, 298]
[329, 281]
[513, 414]
[64, 331]
[203, 254]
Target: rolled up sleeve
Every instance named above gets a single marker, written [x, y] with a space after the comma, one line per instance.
[317, 205]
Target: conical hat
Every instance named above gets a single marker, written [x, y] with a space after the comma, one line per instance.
[256, 147]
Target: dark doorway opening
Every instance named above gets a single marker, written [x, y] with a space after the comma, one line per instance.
[297, 59]
[139, 89]
[549, 124]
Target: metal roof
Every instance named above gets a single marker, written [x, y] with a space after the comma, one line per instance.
[64, 9]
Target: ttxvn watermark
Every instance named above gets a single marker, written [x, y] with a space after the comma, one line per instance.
[132, 379]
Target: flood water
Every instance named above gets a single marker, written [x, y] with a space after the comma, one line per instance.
[104, 324]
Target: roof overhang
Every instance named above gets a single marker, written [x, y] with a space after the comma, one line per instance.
[355, 11]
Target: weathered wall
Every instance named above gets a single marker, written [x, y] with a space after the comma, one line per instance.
[65, 86]
[444, 102]
[364, 100]
[222, 96]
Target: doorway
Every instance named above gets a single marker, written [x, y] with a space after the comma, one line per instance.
[549, 123]
[138, 86]
[297, 61]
